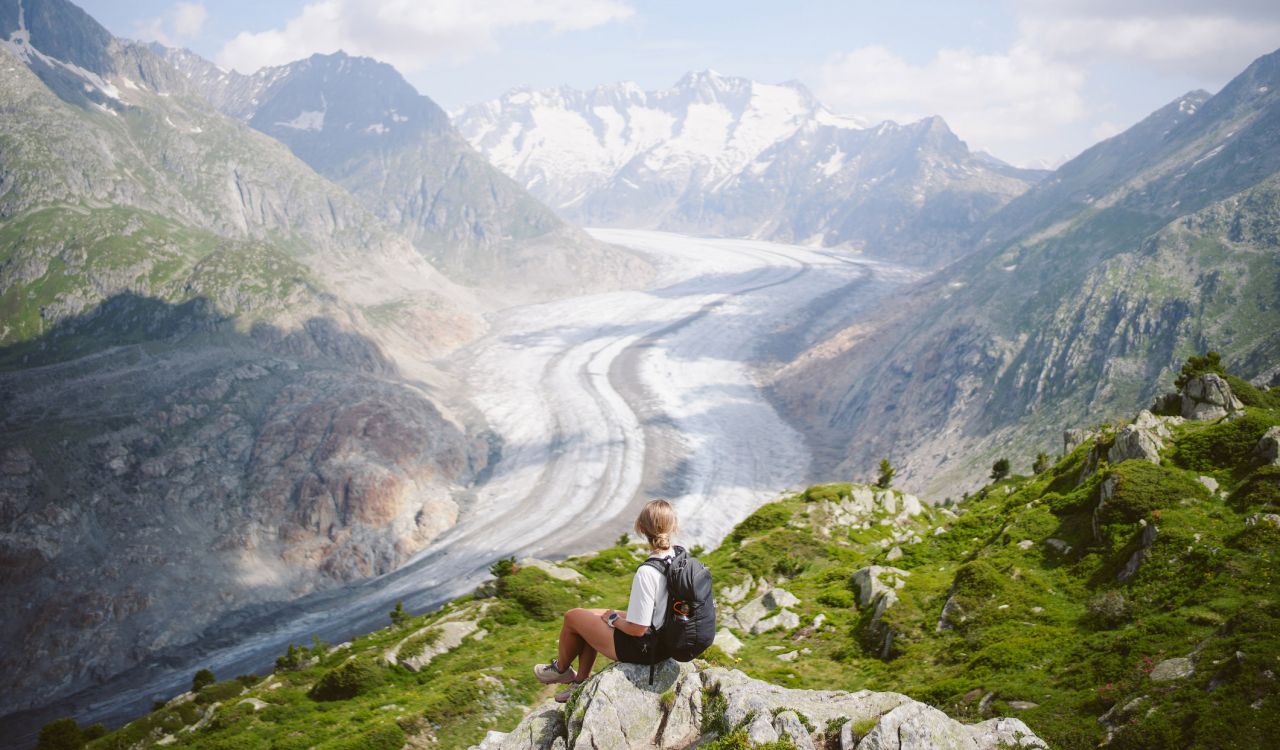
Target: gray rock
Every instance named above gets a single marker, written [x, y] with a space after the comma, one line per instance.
[916, 725]
[1267, 518]
[1130, 569]
[1004, 733]
[620, 709]
[785, 619]
[1023, 705]
[1134, 442]
[1173, 669]
[538, 730]
[761, 731]
[894, 554]
[1071, 439]
[738, 592]
[789, 656]
[874, 580]
[727, 642]
[751, 613]
[1059, 546]
[1269, 446]
[1209, 483]
[1208, 397]
[789, 725]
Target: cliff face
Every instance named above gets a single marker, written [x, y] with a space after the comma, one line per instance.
[1086, 291]
[208, 397]
[359, 123]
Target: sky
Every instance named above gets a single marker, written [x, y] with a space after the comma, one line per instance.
[1033, 82]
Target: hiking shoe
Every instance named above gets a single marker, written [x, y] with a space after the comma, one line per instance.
[564, 695]
[551, 674]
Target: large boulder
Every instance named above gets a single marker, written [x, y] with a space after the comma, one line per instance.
[874, 581]
[751, 613]
[1208, 397]
[619, 708]
[1134, 442]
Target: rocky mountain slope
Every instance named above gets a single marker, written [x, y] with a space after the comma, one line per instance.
[1085, 292]
[359, 123]
[1126, 596]
[214, 366]
[730, 156]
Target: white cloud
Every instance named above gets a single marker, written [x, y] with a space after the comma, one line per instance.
[185, 20]
[189, 18]
[993, 101]
[1018, 102]
[410, 34]
[1200, 44]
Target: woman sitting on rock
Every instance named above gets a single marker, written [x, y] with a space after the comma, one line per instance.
[621, 636]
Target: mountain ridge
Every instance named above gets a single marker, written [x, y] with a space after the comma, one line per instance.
[737, 157]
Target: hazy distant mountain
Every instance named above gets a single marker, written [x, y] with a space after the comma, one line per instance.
[358, 122]
[731, 156]
[210, 366]
[1084, 296]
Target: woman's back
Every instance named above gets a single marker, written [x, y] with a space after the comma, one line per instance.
[648, 603]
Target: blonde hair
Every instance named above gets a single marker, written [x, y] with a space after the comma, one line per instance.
[657, 522]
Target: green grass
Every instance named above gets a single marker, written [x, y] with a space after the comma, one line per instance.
[1027, 623]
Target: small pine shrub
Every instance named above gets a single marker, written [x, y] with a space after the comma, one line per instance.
[202, 679]
[61, 734]
[353, 678]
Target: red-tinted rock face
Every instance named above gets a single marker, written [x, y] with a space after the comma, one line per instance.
[206, 487]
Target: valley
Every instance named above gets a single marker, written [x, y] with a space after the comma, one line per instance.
[592, 402]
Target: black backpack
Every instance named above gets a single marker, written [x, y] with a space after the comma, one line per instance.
[689, 626]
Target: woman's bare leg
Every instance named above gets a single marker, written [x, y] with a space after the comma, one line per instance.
[582, 636]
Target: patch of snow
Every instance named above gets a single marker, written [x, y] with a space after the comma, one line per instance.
[307, 120]
[377, 128]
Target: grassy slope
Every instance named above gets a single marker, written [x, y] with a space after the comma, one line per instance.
[1030, 624]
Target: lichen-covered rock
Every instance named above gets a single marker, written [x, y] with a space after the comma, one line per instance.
[538, 730]
[916, 725]
[786, 619]
[1173, 669]
[1208, 397]
[1269, 447]
[788, 725]
[1134, 442]
[746, 617]
[727, 642]
[619, 708]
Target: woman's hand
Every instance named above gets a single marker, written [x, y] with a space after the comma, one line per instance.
[607, 614]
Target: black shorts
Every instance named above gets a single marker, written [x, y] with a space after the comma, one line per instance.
[635, 649]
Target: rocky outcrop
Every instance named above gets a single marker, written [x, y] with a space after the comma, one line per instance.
[1269, 447]
[878, 587]
[1145, 539]
[751, 616]
[619, 709]
[1208, 397]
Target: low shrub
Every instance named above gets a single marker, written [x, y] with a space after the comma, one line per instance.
[352, 678]
[766, 517]
[1141, 487]
[1225, 444]
[543, 597]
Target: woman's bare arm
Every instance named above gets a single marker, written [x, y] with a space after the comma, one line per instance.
[625, 625]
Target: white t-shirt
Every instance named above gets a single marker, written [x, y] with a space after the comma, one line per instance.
[648, 604]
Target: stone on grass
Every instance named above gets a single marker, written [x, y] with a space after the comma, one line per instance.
[1173, 669]
[727, 642]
